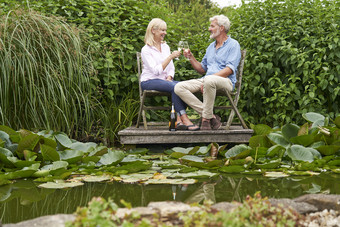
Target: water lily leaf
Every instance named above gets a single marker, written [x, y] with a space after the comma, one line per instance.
[60, 185]
[28, 142]
[177, 155]
[5, 137]
[99, 151]
[337, 121]
[275, 150]
[196, 174]
[136, 177]
[170, 181]
[328, 149]
[141, 151]
[300, 153]
[90, 178]
[290, 130]
[334, 162]
[88, 159]
[301, 173]
[24, 173]
[203, 150]
[71, 156]
[277, 138]
[13, 135]
[48, 141]
[84, 147]
[132, 159]
[304, 140]
[113, 157]
[259, 141]
[318, 123]
[238, 151]
[317, 144]
[134, 167]
[262, 129]
[185, 150]
[21, 163]
[222, 150]
[192, 158]
[63, 140]
[313, 117]
[275, 174]
[49, 153]
[232, 169]
[269, 165]
[4, 155]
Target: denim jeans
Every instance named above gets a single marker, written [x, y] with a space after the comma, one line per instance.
[166, 86]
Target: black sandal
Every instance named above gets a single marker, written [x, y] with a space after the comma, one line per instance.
[193, 127]
[181, 127]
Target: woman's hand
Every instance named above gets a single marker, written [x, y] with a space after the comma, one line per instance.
[175, 54]
[169, 78]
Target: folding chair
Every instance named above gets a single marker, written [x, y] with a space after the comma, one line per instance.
[235, 94]
[147, 93]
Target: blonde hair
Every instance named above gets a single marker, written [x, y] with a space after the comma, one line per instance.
[155, 24]
[222, 21]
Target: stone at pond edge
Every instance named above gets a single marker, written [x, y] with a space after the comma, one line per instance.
[57, 220]
[301, 207]
[321, 201]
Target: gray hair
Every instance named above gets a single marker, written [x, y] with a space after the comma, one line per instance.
[222, 21]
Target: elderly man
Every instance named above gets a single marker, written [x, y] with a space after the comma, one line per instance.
[219, 65]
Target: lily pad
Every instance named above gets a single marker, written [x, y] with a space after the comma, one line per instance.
[275, 174]
[141, 151]
[90, 178]
[196, 174]
[71, 156]
[238, 151]
[313, 117]
[290, 130]
[113, 157]
[328, 149]
[276, 150]
[232, 169]
[278, 139]
[304, 140]
[170, 181]
[259, 141]
[60, 185]
[262, 129]
[63, 140]
[269, 165]
[49, 153]
[301, 153]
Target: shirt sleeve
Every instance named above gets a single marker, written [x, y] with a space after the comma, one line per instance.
[233, 58]
[170, 68]
[150, 62]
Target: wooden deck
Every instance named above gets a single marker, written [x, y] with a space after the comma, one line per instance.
[160, 134]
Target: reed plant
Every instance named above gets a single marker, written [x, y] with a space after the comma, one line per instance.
[45, 69]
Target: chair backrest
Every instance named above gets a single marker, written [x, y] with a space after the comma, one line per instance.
[239, 73]
[140, 67]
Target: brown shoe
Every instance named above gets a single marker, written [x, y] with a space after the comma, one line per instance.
[205, 125]
[215, 122]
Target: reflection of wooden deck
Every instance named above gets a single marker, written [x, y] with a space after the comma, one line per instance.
[159, 134]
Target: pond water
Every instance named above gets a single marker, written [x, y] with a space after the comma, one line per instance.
[23, 200]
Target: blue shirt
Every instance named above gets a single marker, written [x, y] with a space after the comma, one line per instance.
[228, 55]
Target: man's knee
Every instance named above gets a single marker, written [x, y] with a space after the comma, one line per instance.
[178, 88]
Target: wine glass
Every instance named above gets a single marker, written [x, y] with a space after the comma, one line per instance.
[180, 47]
[185, 46]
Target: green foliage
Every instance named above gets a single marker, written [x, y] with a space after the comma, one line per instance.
[45, 73]
[255, 211]
[292, 58]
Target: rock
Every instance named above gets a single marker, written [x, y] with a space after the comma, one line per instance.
[301, 207]
[170, 208]
[57, 220]
[225, 206]
[321, 201]
[143, 211]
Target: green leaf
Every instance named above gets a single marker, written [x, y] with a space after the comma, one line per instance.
[337, 121]
[71, 156]
[273, 164]
[63, 140]
[313, 117]
[60, 185]
[328, 149]
[304, 140]
[141, 151]
[192, 158]
[49, 153]
[113, 157]
[276, 150]
[4, 155]
[28, 143]
[14, 135]
[290, 130]
[232, 169]
[259, 141]
[262, 129]
[275, 174]
[278, 139]
[21, 163]
[238, 152]
[300, 153]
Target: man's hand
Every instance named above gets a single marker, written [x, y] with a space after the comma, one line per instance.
[187, 53]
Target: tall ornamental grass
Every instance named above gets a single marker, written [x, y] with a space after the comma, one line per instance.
[45, 70]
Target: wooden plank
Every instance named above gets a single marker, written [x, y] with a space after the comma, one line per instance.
[159, 134]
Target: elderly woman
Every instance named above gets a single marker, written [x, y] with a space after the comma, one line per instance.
[159, 70]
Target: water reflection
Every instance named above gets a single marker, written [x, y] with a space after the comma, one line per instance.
[23, 200]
